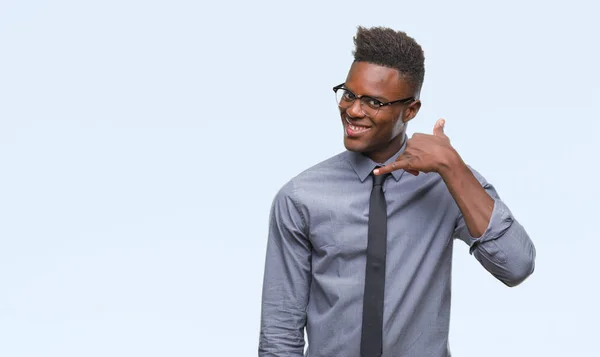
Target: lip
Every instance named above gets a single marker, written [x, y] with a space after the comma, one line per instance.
[353, 130]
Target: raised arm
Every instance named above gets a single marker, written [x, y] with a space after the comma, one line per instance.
[496, 239]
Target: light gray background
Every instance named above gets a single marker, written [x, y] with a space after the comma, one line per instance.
[141, 144]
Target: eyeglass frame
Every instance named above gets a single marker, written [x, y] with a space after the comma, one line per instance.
[359, 97]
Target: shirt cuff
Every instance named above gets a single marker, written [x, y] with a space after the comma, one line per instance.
[500, 221]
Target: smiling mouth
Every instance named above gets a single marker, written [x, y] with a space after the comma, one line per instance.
[355, 129]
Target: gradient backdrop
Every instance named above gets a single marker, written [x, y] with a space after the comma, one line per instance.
[141, 144]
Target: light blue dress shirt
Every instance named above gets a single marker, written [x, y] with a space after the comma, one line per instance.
[316, 255]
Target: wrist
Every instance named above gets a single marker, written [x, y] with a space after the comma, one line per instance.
[451, 164]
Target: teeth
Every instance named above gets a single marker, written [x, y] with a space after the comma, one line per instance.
[354, 127]
[357, 128]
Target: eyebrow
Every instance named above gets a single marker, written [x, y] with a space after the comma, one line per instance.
[381, 99]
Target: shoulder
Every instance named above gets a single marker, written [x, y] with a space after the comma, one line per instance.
[482, 180]
[294, 198]
[321, 172]
[476, 173]
[316, 178]
[331, 166]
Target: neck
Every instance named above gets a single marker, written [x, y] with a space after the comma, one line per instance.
[382, 155]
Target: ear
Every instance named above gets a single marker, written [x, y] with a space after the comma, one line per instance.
[411, 110]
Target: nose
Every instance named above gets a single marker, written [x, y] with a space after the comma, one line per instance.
[355, 110]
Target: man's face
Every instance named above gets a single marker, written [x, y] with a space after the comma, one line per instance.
[374, 135]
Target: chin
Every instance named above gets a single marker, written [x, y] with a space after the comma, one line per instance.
[355, 146]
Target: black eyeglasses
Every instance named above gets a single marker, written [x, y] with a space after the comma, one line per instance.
[369, 105]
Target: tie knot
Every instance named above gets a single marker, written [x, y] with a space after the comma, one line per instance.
[379, 179]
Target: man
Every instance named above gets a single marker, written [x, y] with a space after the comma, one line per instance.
[360, 246]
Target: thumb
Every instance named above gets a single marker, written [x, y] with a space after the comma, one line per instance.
[438, 129]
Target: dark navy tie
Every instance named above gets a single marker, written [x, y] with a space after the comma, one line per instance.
[372, 321]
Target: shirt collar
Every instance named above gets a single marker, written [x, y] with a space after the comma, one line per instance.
[363, 165]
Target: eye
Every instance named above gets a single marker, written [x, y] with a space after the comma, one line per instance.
[372, 102]
[348, 96]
